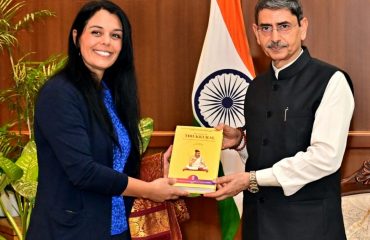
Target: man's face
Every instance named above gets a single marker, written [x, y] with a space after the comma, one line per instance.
[279, 35]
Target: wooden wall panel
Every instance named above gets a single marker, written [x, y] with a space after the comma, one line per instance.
[168, 37]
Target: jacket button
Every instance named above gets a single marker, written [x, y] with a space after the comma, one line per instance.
[275, 87]
[268, 114]
[265, 141]
[261, 199]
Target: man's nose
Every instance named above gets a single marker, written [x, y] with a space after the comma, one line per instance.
[275, 35]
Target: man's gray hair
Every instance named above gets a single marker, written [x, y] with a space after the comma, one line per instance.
[294, 6]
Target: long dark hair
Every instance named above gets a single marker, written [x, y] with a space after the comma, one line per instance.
[120, 78]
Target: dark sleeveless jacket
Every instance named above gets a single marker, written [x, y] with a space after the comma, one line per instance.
[279, 118]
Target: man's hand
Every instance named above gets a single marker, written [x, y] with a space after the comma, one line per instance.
[232, 136]
[229, 186]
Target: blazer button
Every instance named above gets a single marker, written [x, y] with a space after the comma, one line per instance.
[261, 199]
[268, 114]
[275, 87]
[265, 141]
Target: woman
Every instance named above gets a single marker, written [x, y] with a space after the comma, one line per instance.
[86, 131]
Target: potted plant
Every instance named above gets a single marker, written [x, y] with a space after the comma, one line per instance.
[18, 158]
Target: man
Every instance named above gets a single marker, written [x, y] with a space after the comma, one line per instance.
[297, 120]
[196, 162]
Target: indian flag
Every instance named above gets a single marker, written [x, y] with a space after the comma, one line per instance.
[224, 72]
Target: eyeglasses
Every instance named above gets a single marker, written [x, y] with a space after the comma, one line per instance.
[281, 28]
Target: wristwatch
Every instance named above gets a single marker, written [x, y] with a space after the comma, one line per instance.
[253, 186]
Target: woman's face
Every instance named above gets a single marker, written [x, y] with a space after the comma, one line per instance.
[100, 42]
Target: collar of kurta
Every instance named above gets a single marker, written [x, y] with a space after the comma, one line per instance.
[295, 67]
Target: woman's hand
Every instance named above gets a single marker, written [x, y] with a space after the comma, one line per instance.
[166, 161]
[162, 189]
[159, 190]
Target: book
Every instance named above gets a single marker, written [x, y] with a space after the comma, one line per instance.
[195, 158]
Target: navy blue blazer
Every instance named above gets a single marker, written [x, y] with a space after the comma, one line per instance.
[75, 157]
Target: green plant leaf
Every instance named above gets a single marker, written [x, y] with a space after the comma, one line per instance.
[146, 130]
[31, 17]
[9, 141]
[12, 171]
[8, 13]
[7, 40]
[4, 4]
[27, 184]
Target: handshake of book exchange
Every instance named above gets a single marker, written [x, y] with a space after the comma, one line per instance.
[195, 159]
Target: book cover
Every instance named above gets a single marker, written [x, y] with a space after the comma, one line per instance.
[195, 158]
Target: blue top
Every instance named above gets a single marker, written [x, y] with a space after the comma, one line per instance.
[120, 155]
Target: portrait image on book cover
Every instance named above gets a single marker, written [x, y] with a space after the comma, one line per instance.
[196, 163]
